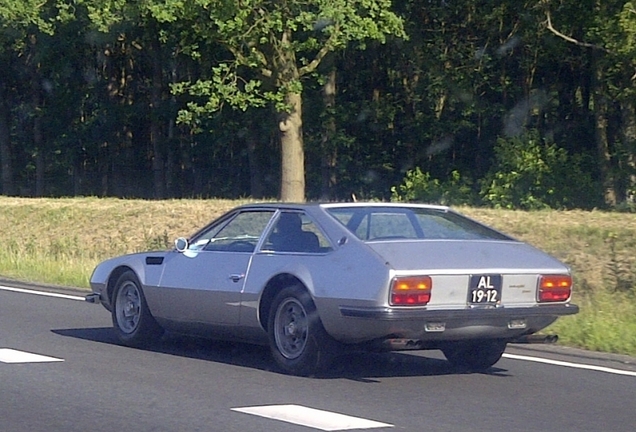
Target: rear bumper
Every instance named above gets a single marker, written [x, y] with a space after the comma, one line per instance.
[359, 324]
[389, 314]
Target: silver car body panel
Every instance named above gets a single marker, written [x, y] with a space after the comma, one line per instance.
[349, 283]
[186, 292]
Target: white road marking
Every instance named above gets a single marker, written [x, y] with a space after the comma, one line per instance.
[570, 365]
[313, 418]
[42, 293]
[8, 355]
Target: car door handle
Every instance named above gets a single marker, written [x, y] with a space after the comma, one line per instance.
[236, 277]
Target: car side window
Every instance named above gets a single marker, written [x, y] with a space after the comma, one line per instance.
[296, 232]
[240, 234]
[378, 224]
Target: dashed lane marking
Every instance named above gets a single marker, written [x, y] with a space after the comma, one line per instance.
[8, 355]
[571, 365]
[313, 418]
[41, 293]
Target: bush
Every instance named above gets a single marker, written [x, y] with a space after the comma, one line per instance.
[530, 173]
[418, 186]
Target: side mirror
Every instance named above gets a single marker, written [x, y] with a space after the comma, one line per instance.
[181, 244]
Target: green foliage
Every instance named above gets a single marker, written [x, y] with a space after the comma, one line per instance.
[104, 14]
[419, 186]
[25, 14]
[530, 173]
[606, 322]
[58, 260]
[87, 71]
[270, 44]
[225, 87]
[627, 26]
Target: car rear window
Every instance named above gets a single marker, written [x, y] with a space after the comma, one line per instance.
[403, 223]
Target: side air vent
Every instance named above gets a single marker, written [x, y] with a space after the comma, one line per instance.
[154, 260]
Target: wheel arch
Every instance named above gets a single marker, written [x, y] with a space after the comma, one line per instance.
[273, 287]
[112, 281]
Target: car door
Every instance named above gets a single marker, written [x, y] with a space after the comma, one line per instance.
[203, 284]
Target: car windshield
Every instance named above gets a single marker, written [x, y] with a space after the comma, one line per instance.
[239, 233]
[399, 223]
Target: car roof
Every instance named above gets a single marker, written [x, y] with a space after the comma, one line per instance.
[327, 205]
[384, 205]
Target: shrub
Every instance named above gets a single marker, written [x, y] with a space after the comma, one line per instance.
[530, 173]
[419, 186]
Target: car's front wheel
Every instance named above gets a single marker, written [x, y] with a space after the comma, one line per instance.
[299, 343]
[474, 355]
[133, 323]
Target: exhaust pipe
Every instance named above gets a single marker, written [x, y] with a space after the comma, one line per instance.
[537, 339]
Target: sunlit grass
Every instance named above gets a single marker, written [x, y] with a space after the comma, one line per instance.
[38, 268]
[606, 322]
[59, 241]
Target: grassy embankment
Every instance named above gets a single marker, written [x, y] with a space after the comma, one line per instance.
[59, 241]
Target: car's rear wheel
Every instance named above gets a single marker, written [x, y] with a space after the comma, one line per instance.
[299, 343]
[474, 355]
[134, 324]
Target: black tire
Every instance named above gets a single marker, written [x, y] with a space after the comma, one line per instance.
[133, 323]
[474, 355]
[299, 343]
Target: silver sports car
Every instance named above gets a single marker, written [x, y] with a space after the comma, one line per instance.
[314, 280]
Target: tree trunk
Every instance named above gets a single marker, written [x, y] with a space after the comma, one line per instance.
[36, 108]
[173, 172]
[328, 148]
[6, 166]
[103, 167]
[170, 162]
[628, 135]
[78, 174]
[602, 148]
[39, 156]
[38, 139]
[256, 178]
[292, 187]
[158, 166]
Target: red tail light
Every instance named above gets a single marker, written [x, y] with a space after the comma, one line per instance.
[411, 291]
[555, 288]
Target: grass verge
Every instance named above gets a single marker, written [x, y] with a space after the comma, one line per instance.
[59, 241]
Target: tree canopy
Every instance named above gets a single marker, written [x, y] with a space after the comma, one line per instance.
[456, 102]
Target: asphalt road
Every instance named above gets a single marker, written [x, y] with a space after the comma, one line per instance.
[87, 382]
